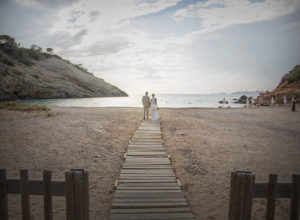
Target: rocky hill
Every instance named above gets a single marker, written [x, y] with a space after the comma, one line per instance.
[289, 86]
[30, 73]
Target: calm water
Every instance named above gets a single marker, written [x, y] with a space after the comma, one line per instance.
[164, 101]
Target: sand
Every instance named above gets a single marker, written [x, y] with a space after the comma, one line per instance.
[205, 146]
[92, 138]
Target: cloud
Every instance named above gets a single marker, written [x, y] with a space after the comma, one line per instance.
[47, 3]
[147, 8]
[218, 14]
[94, 14]
[74, 15]
[107, 46]
[63, 40]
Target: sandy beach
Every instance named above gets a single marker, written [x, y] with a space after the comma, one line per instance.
[205, 145]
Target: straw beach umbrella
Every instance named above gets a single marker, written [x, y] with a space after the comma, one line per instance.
[284, 100]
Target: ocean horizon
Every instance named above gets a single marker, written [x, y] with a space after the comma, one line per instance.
[134, 100]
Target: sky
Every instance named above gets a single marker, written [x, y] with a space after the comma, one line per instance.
[165, 46]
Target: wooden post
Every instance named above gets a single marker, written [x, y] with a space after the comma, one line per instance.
[47, 178]
[86, 195]
[232, 200]
[294, 106]
[78, 195]
[25, 199]
[295, 197]
[69, 195]
[241, 194]
[248, 196]
[3, 196]
[271, 197]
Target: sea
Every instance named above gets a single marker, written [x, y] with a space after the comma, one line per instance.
[134, 100]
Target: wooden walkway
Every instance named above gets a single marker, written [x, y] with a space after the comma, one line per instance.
[147, 188]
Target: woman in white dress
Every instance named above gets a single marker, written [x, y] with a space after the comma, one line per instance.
[154, 107]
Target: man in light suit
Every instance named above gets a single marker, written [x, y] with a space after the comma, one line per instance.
[146, 104]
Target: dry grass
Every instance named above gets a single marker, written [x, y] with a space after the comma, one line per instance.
[16, 106]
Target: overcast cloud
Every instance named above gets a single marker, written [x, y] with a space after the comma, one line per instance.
[166, 46]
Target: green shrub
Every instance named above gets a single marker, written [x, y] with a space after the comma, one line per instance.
[58, 57]
[17, 106]
[17, 72]
[8, 61]
[5, 72]
[293, 75]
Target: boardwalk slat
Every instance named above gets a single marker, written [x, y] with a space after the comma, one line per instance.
[147, 187]
[151, 210]
[152, 216]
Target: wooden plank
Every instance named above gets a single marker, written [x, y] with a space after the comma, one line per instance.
[146, 166]
[295, 197]
[124, 194]
[151, 200]
[148, 175]
[152, 216]
[283, 190]
[146, 148]
[148, 204]
[69, 189]
[141, 153]
[3, 195]
[146, 171]
[148, 191]
[147, 178]
[146, 188]
[47, 178]
[239, 192]
[78, 195]
[86, 196]
[147, 181]
[248, 195]
[24, 190]
[271, 197]
[151, 210]
[232, 199]
[36, 187]
[148, 184]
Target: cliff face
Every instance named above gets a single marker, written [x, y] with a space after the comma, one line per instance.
[289, 86]
[49, 77]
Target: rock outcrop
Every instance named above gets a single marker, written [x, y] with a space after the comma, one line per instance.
[50, 77]
[288, 87]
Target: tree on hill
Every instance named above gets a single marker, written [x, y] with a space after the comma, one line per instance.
[50, 50]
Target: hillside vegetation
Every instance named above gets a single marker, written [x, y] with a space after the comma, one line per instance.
[289, 87]
[31, 73]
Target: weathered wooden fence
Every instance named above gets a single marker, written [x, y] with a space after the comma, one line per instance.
[243, 189]
[75, 188]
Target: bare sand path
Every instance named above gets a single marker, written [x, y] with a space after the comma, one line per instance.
[205, 145]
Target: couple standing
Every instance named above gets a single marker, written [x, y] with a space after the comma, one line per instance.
[147, 103]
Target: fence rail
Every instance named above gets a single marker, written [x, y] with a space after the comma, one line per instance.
[75, 188]
[243, 189]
